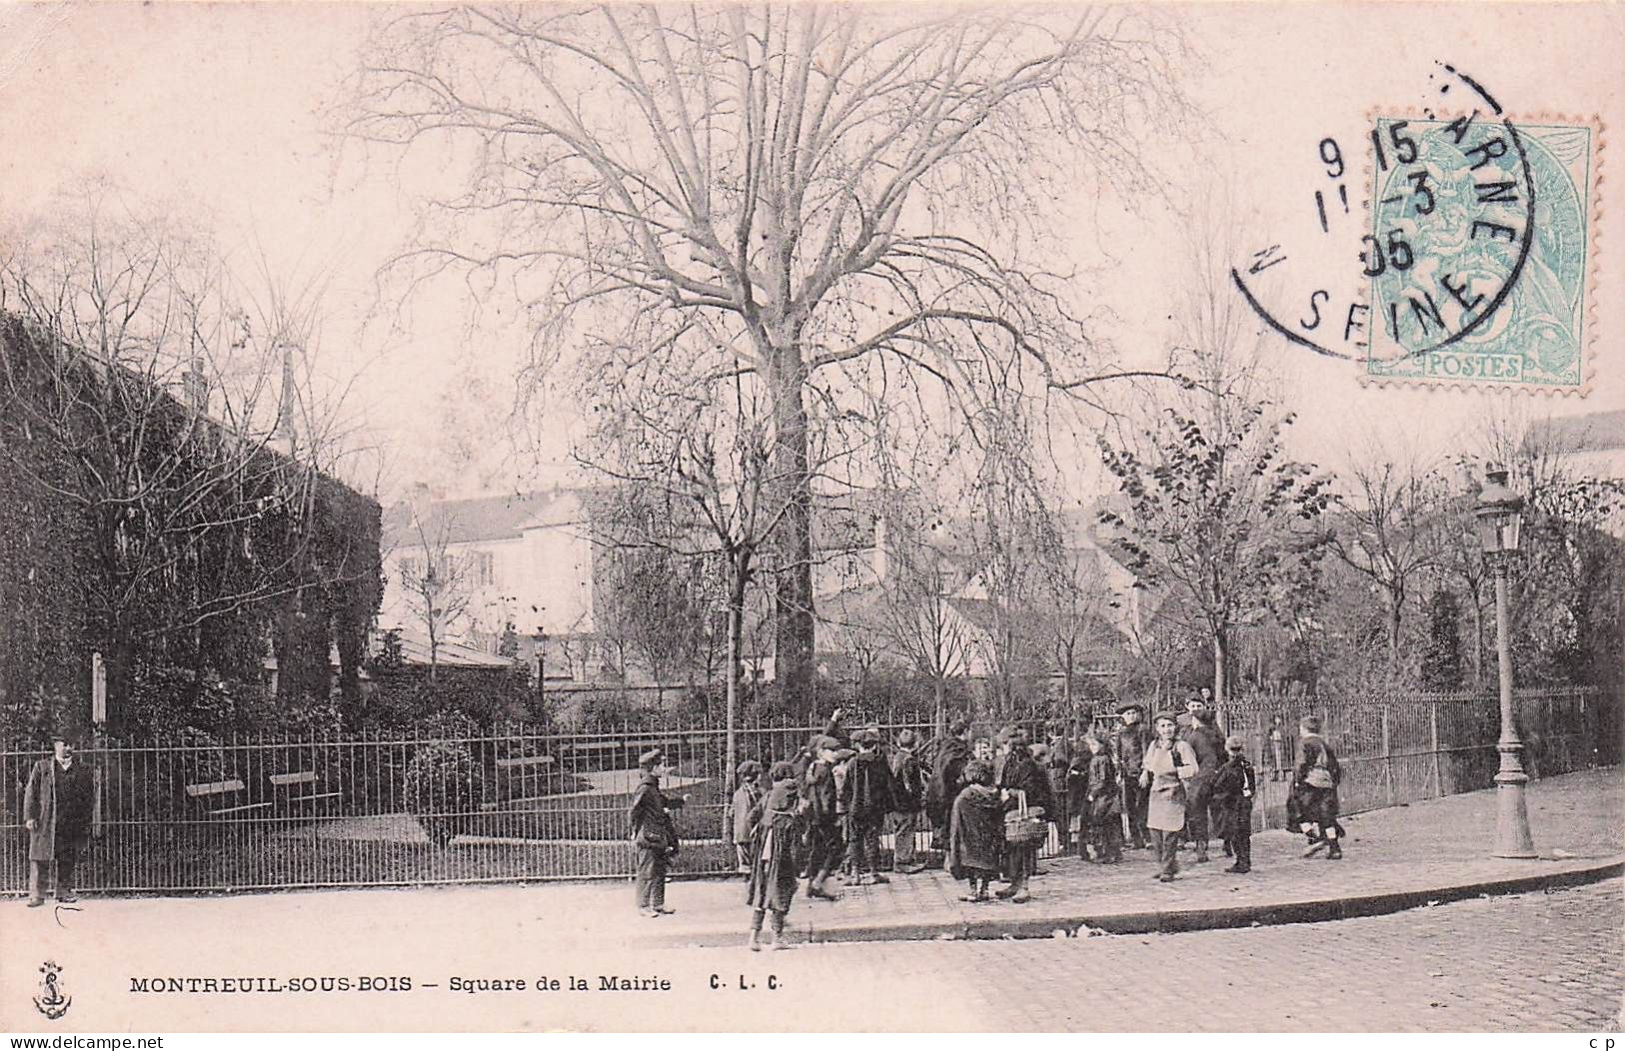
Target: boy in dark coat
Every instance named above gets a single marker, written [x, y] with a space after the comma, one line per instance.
[908, 783]
[824, 845]
[1234, 788]
[1105, 804]
[746, 796]
[1312, 802]
[776, 823]
[1128, 745]
[868, 798]
[1208, 744]
[654, 834]
[976, 831]
[58, 805]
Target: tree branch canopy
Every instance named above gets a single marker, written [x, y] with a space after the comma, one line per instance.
[809, 198]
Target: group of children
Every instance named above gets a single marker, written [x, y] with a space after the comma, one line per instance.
[827, 806]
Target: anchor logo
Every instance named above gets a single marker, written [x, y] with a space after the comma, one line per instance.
[53, 1001]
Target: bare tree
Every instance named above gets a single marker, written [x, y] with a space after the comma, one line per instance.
[915, 613]
[1073, 597]
[1015, 541]
[824, 197]
[1390, 529]
[436, 582]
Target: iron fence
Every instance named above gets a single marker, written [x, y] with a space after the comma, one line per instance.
[382, 808]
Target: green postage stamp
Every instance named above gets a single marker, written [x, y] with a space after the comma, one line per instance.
[1479, 256]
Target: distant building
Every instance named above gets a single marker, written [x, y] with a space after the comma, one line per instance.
[522, 562]
[1589, 445]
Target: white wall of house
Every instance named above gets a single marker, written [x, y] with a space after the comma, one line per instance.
[541, 578]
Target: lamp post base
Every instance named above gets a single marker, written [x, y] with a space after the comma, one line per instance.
[1512, 838]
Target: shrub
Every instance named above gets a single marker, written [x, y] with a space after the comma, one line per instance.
[444, 789]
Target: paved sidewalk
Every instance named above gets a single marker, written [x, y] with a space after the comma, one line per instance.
[1396, 858]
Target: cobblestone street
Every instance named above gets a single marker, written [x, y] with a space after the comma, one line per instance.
[1532, 963]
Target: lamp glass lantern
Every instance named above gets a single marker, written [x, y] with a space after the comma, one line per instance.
[1500, 515]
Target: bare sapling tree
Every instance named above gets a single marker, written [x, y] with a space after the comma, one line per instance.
[1073, 603]
[1390, 529]
[915, 613]
[820, 197]
[436, 580]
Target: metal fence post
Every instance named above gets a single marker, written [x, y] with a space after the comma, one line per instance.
[1433, 739]
[1387, 760]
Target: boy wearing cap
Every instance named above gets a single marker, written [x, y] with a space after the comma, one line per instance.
[868, 797]
[746, 796]
[1234, 787]
[823, 816]
[775, 833]
[1169, 764]
[57, 808]
[908, 784]
[1313, 797]
[1130, 743]
[654, 834]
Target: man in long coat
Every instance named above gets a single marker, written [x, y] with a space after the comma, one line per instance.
[57, 809]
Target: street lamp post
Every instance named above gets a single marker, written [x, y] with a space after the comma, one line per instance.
[1500, 518]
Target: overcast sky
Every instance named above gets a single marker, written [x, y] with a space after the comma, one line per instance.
[221, 105]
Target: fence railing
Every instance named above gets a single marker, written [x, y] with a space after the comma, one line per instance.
[382, 808]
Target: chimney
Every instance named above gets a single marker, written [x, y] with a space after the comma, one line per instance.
[286, 431]
[422, 500]
[195, 388]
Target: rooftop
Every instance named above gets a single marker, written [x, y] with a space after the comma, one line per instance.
[1586, 432]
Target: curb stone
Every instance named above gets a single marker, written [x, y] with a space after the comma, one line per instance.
[1173, 921]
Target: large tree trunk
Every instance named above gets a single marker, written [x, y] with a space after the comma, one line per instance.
[1221, 652]
[792, 539]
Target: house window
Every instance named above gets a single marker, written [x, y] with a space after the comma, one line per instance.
[411, 570]
[482, 569]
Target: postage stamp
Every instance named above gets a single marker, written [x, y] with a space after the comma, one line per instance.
[1479, 254]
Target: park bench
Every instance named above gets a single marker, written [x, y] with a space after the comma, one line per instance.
[299, 788]
[228, 798]
[516, 774]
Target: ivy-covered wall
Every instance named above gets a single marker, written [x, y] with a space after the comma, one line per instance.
[132, 527]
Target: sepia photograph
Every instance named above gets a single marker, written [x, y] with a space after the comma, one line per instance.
[811, 518]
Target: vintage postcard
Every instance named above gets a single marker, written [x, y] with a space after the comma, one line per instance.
[811, 517]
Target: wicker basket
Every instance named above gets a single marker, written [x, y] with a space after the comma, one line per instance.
[1024, 829]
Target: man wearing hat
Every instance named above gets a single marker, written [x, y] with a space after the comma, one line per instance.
[1129, 744]
[654, 834]
[867, 793]
[908, 788]
[745, 798]
[823, 815]
[1234, 787]
[58, 805]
